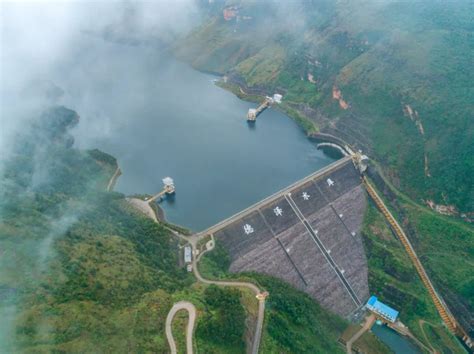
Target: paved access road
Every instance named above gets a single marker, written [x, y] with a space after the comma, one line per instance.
[254, 288]
[261, 302]
[146, 209]
[189, 307]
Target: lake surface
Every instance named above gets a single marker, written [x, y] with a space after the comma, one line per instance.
[394, 341]
[159, 118]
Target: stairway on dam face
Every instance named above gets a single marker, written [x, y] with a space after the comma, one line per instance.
[308, 236]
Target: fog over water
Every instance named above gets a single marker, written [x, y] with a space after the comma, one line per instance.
[160, 117]
[157, 116]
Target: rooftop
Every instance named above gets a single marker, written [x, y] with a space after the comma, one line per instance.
[168, 181]
[380, 308]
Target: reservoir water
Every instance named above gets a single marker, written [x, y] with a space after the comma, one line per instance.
[160, 117]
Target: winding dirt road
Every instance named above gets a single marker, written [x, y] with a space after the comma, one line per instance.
[189, 307]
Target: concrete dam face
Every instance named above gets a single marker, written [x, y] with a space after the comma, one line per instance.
[307, 235]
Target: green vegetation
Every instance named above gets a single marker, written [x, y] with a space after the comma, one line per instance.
[224, 324]
[444, 246]
[395, 281]
[414, 54]
[80, 270]
[309, 126]
[438, 338]
[262, 68]
[406, 78]
[439, 238]
[179, 326]
[367, 343]
[214, 264]
[370, 344]
[294, 323]
[212, 319]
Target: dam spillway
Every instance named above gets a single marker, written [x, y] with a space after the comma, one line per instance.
[307, 235]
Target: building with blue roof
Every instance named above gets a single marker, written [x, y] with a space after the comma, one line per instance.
[382, 310]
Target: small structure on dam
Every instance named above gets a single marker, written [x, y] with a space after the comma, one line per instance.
[307, 235]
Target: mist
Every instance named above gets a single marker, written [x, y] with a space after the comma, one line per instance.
[51, 52]
[40, 39]
[112, 63]
[59, 53]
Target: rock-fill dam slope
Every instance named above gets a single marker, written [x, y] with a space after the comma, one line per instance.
[307, 235]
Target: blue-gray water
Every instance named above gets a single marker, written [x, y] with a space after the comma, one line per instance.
[396, 342]
[159, 117]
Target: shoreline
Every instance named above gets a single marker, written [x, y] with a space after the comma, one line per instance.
[309, 127]
[158, 212]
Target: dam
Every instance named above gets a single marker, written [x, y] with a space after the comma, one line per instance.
[307, 235]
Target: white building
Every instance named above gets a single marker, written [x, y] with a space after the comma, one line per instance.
[168, 181]
[277, 98]
[169, 185]
[252, 114]
[187, 254]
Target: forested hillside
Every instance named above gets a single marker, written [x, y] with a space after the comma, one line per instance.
[81, 271]
[392, 78]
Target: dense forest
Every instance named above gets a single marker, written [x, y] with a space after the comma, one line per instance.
[80, 270]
